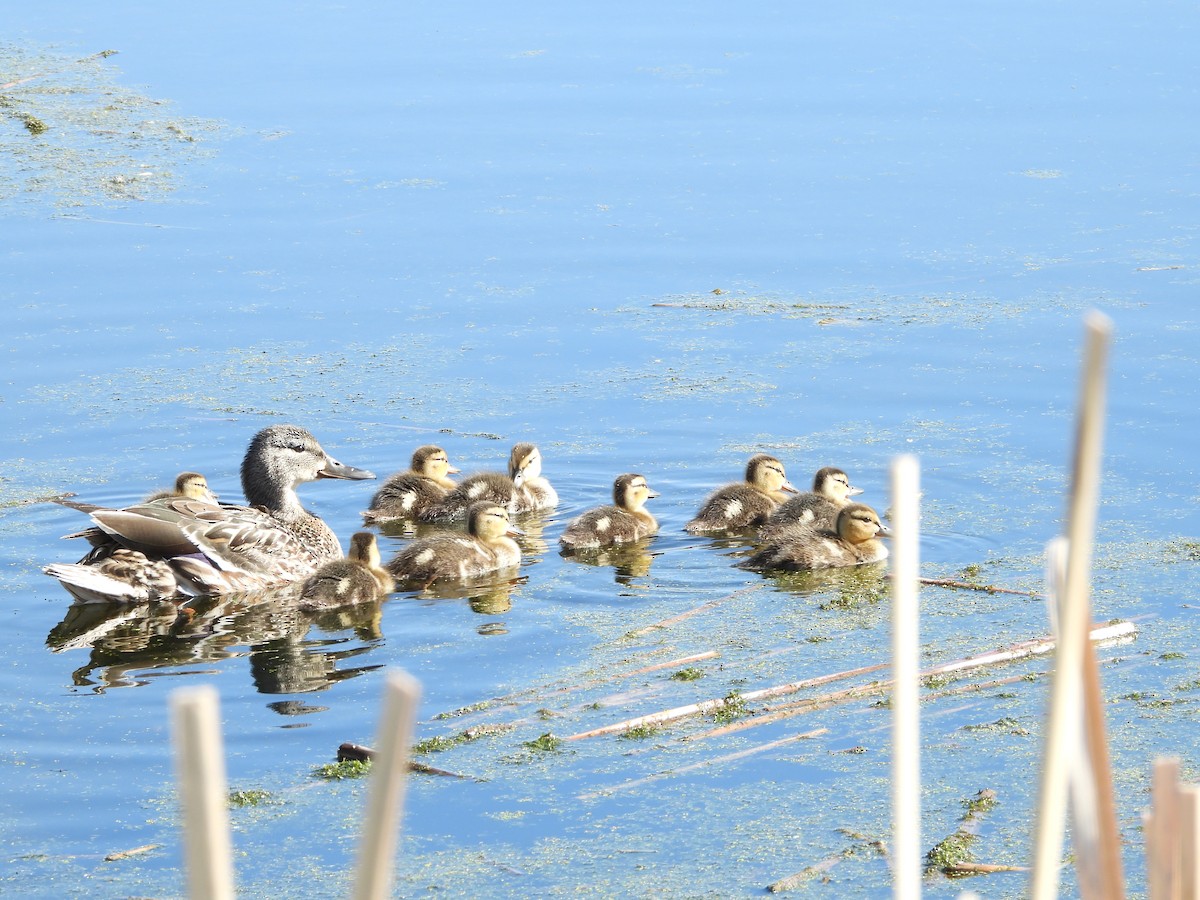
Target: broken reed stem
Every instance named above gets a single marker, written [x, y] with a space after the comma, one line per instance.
[967, 585]
[704, 607]
[681, 712]
[1012, 653]
[704, 763]
[973, 868]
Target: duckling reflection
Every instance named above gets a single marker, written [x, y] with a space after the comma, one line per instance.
[409, 494]
[522, 489]
[486, 547]
[747, 503]
[628, 561]
[622, 522]
[489, 594]
[801, 546]
[820, 507]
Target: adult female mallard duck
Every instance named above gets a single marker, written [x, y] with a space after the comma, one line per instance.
[624, 521]
[744, 504]
[522, 489]
[800, 546]
[830, 492]
[406, 495]
[210, 548]
[486, 547]
[358, 578]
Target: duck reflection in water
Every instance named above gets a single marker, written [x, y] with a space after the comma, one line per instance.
[129, 642]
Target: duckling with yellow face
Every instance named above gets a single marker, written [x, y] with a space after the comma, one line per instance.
[800, 546]
[744, 504]
[820, 507]
[522, 489]
[624, 521]
[406, 495]
[486, 547]
[358, 578]
[191, 485]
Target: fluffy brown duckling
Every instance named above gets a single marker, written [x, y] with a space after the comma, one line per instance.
[406, 495]
[357, 578]
[485, 547]
[624, 521]
[744, 504]
[192, 485]
[830, 492]
[800, 546]
[522, 489]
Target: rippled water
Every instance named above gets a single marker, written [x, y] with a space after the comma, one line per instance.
[649, 240]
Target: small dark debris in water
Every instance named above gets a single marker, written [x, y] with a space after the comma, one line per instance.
[136, 851]
[354, 752]
[1007, 724]
[1171, 654]
[690, 673]
[855, 750]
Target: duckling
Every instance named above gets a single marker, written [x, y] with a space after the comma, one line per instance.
[747, 503]
[215, 549]
[486, 547]
[187, 484]
[800, 546]
[624, 521]
[358, 578]
[406, 495]
[523, 489]
[820, 506]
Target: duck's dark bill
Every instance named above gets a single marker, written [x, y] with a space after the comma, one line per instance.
[335, 469]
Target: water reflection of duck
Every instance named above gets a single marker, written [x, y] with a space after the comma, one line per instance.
[801, 546]
[192, 485]
[522, 489]
[747, 503]
[406, 495]
[358, 578]
[623, 521]
[175, 545]
[486, 547]
[830, 492]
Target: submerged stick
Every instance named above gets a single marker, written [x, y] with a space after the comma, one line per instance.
[200, 764]
[704, 607]
[705, 763]
[967, 585]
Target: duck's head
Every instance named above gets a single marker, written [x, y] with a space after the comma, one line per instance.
[833, 483]
[489, 521]
[194, 486]
[364, 548]
[283, 456]
[432, 462]
[766, 473]
[631, 492]
[524, 463]
[857, 523]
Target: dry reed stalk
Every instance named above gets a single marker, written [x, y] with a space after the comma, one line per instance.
[200, 765]
[1164, 849]
[385, 796]
[1067, 693]
[906, 698]
[1022, 650]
